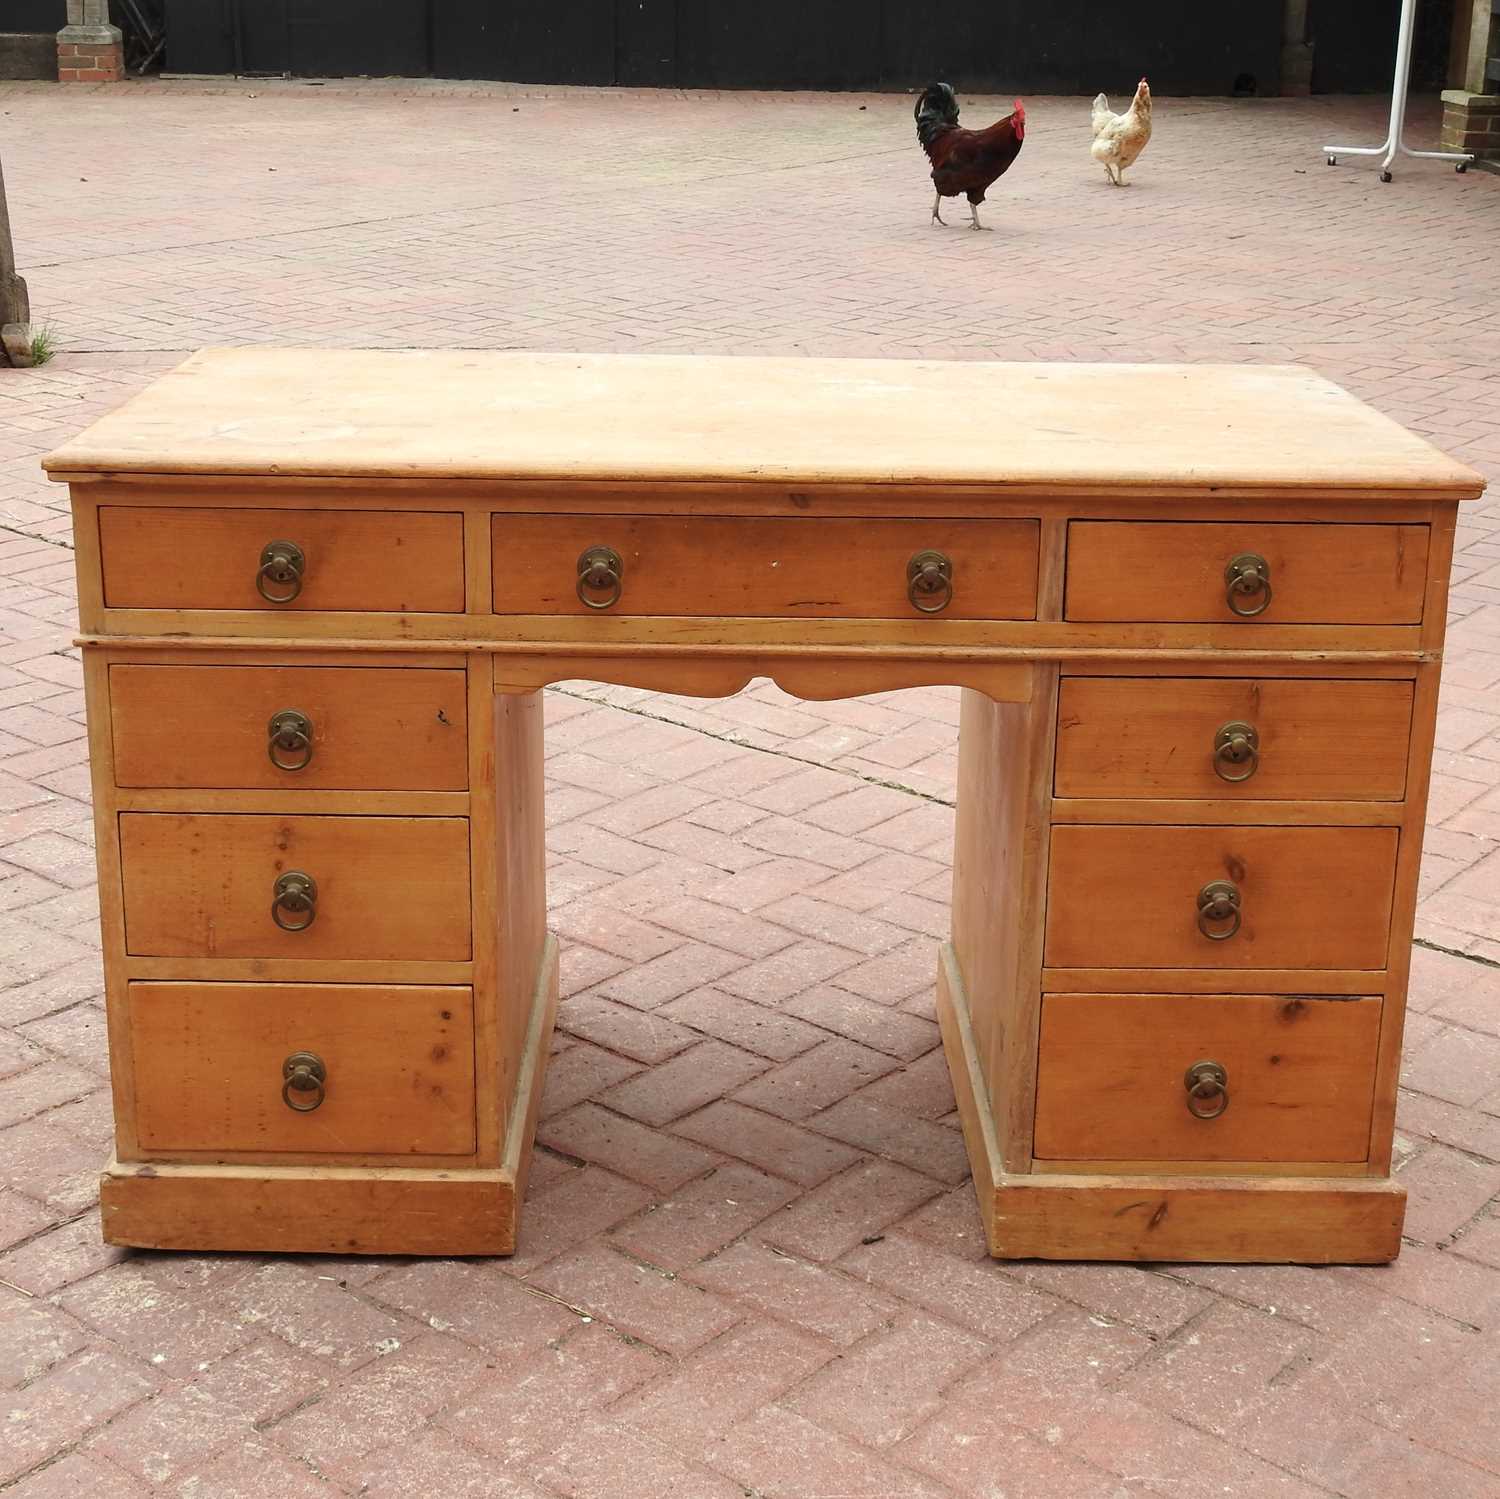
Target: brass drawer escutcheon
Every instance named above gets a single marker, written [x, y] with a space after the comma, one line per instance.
[929, 581]
[303, 1074]
[296, 896]
[1236, 752]
[289, 739]
[1207, 1086]
[279, 579]
[1247, 585]
[600, 571]
[1218, 902]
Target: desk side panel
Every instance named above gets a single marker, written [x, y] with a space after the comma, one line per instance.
[1414, 826]
[519, 890]
[999, 894]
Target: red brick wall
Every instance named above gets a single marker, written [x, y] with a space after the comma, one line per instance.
[89, 62]
[1472, 125]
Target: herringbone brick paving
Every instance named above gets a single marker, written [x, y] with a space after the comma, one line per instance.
[751, 1261]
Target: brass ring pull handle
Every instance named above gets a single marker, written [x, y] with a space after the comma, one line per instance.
[1207, 1086]
[1218, 902]
[929, 582]
[289, 740]
[1236, 752]
[1247, 585]
[600, 571]
[282, 564]
[304, 1075]
[294, 907]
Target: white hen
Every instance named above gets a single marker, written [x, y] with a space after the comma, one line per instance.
[1119, 139]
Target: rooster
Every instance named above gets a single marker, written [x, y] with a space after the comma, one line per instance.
[1119, 139]
[964, 161]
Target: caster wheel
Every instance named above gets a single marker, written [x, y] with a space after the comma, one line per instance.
[1385, 176]
[1333, 161]
[1461, 168]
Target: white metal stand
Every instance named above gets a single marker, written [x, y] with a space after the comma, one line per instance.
[1393, 141]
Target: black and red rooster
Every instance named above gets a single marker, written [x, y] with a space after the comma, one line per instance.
[965, 161]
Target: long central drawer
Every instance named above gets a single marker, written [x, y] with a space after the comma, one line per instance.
[815, 567]
[213, 885]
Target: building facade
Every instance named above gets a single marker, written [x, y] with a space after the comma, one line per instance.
[1000, 46]
[1471, 109]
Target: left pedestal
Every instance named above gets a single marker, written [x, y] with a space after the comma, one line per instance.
[329, 984]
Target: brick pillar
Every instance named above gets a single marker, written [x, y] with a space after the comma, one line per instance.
[89, 49]
[1471, 122]
[1474, 46]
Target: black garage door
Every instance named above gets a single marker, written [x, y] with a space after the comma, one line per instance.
[1061, 46]
[306, 38]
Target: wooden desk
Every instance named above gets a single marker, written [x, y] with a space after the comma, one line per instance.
[1198, 612]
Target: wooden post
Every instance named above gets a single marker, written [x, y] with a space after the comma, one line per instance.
[15, 306]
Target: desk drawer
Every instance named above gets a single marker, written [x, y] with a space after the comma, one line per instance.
[1298, 1077]
[1130, 897]
[379, 561]
[355, 728]
[1185, 738]
[813, 568]
[211, 1064]
[202, 886]
[1169, 571]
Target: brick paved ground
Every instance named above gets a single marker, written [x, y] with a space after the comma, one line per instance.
[751, 1262]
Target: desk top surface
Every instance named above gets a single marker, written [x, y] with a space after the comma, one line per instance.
[509, 416]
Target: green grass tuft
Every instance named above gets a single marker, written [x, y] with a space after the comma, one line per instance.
[43, 345]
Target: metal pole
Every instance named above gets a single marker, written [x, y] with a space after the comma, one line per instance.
[1393, 142]
[1398, 92]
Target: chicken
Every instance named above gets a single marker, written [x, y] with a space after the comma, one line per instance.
[1119, 139]
[964, 161]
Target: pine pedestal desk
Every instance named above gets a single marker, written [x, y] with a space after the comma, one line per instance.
[1198, 613]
